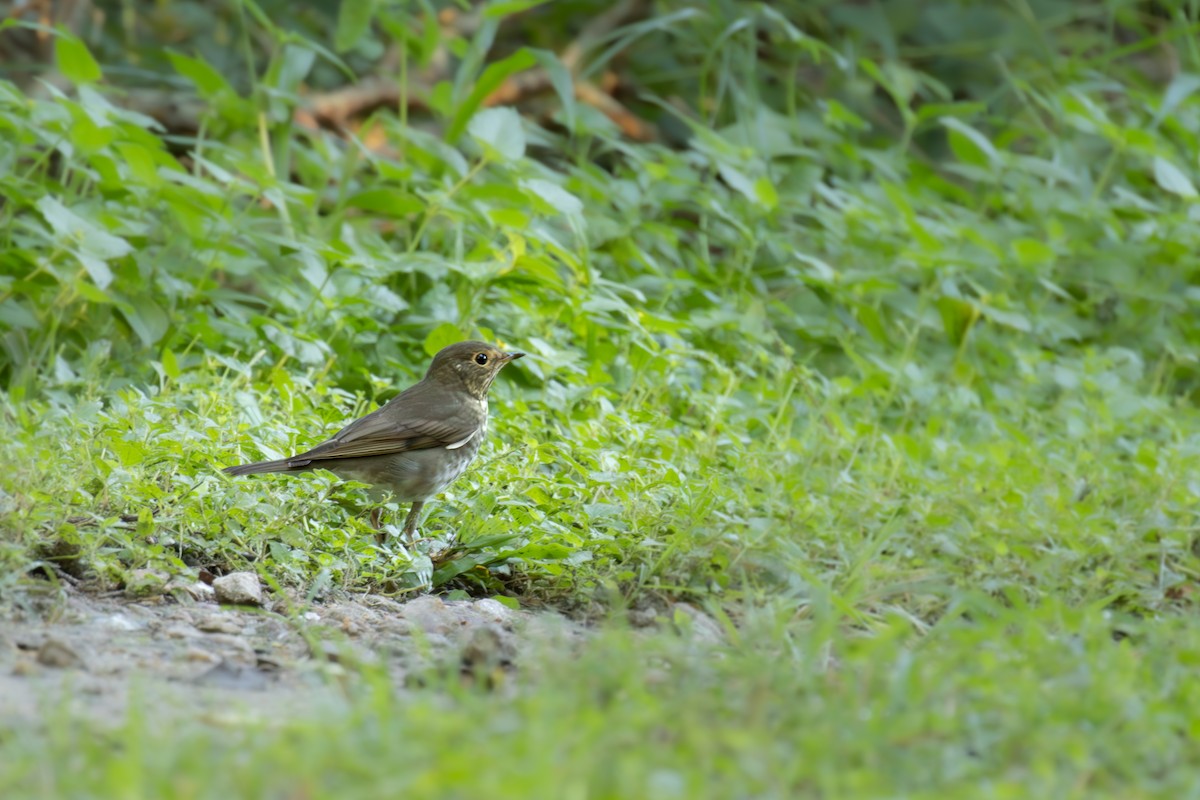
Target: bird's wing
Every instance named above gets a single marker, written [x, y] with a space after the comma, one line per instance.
[388, 430]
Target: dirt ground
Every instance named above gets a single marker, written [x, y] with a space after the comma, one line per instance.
[67, 650]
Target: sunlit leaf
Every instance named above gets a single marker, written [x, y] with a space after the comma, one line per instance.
[170, 364]
[554, 195]
[74, 60]
[442, 336]
[93, 246]
[383, 200]
[489, 80]
[957, 317]
[1032, 251]
[208, 81]
[499, 131]
[968, 144]
[1170, 178]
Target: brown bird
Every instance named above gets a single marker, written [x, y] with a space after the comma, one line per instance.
[418, 443]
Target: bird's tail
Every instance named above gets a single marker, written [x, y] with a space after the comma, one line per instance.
[280, 465]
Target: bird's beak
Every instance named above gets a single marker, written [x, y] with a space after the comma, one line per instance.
[507, 357]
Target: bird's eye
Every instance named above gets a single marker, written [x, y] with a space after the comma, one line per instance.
[481, 358]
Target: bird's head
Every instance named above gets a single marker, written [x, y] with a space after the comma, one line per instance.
[473, 364]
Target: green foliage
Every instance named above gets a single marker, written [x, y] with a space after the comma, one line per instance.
[804, 344]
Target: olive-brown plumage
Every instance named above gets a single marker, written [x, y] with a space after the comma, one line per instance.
[420, 441]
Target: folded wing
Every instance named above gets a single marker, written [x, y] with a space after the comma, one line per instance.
[387, 431]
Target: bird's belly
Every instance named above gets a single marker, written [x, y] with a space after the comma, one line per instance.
[412, 475]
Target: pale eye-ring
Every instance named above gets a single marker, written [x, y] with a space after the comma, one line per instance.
[481, 359]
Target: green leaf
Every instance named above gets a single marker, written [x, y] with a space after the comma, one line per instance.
[141, 162]
[957, 317]
[89, 291]
[544, 551]
[207, 80]
[442, 336]
[313, 268]
[509, 218]
[455, 567]
[561, 80]
[930, 111]
[765, 194]
[556, 197]
[91, 138]
[838, 118]
[738, 181]
[93, 246]
[969, 145]
[392, 202]
[147, 319]
[1010, 319]
[441, 98]
[1183, 86]
[1031, 252]
[354, 19]
[1170, 178]
[488, 82]
[510, 7]
[14, 314]
[291, 67]
[169, 364]
[75, 61]
[500, 133]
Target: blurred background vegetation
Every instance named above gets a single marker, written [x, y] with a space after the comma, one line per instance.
[791, 110]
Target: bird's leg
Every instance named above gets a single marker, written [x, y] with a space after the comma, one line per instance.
[410, 522]
[376, 519]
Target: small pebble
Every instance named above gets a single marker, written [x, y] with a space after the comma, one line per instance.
[238, 589]
[58, 654]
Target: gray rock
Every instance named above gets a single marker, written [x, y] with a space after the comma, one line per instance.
[430, 614]
[179, 631]
[487, 647]
[232, 648]
[495, 611]
[221, 622]
[60, 655]
[120, 622]
[224, 675]
[238, 589]
[702, 628]
[643, 617]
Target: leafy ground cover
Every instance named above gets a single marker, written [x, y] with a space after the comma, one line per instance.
[884, 352]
